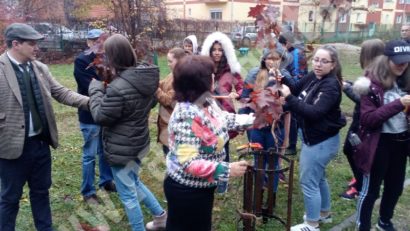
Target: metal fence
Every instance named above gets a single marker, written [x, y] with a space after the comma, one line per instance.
[59, 38]
[179, 28]
[347, 33]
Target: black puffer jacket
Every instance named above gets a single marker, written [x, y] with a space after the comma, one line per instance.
[123, 110]
[354, 126]
[317, 105]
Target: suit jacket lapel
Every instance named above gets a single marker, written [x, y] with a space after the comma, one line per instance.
[40, 80]
[10, 75]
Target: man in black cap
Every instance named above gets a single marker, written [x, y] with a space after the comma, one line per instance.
[92, 133]
[27, 126]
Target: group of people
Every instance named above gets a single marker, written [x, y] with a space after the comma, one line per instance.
[196, 120]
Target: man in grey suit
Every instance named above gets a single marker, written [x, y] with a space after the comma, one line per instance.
[27, 126]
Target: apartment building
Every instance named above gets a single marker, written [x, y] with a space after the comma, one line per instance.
[402, 12]
[226, 10]
[307, 15]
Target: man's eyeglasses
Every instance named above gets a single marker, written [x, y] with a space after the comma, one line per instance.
[405, 30]
[321, 61]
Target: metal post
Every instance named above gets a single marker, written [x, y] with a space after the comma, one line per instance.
[232, 14]
[271, 200]
[184, 9]
[231, 10]
[260, 175]
[290, 190]
[248, 199]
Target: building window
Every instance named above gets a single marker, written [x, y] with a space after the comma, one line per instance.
[288, 25]
[216, 14]
[375, 5]
[407, 18]
[398, 19]
[343, 18]
[401, 1]
[311, 16]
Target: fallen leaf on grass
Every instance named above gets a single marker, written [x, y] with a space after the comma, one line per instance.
[86, 227]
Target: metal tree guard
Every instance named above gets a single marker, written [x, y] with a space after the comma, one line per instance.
[253, 189]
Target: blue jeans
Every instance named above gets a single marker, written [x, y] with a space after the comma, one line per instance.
[33, 167]
[131, 191]
[312, 170]
[93, 147]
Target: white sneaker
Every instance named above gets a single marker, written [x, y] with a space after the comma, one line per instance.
[324, 220]
[304, 227]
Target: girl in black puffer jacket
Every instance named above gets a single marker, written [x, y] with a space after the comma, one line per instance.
[123, 110]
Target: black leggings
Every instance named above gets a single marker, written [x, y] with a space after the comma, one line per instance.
[348, 151]
[188, 208]
[389, 167]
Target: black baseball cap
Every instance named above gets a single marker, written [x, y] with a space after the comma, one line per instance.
[287, 37]
[398, 51]
[21, 31]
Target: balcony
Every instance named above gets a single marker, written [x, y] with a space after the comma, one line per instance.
[216, 1]
[389, 5]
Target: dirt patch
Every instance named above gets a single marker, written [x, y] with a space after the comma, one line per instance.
[56, 57]
[345, 47]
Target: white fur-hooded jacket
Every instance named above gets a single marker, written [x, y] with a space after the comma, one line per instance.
[227, 46]
[194, 41]
[362, 86]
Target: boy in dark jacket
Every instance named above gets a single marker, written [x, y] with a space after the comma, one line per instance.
[91, 131]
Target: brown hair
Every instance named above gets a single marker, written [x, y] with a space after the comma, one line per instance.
[192, 77]
[177, 52]
[380, 71]
[337, 70]
[262, 78]
[120, 53]
[370, 49]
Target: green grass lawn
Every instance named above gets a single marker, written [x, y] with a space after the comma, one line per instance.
[69, 210]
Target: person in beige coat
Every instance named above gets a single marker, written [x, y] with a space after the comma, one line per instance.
[27, 126]
[165, 96]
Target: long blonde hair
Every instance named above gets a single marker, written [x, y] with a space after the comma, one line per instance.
[262, 78]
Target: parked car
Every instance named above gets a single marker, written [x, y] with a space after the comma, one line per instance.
[244, 36]
[58, 37]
